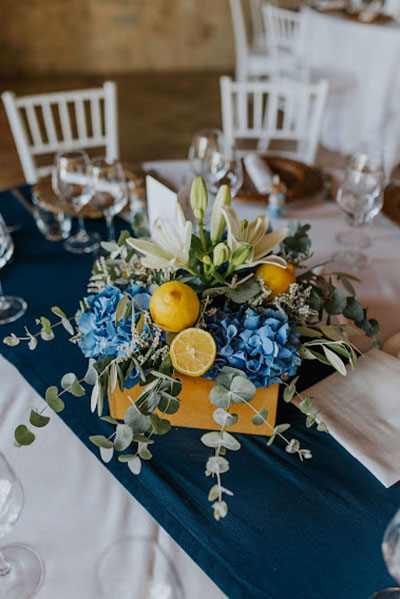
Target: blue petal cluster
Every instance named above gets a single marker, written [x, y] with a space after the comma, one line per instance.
[100, 336]
[263, 345]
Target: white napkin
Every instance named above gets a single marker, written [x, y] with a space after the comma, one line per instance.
[362, 412]
[161, 201]
[259, 172]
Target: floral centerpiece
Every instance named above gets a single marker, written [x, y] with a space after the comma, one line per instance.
[190, 302]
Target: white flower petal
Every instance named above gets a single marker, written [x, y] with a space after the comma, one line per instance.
[268, 243]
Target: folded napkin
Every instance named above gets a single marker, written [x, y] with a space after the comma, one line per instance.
[259, 172]
[161, 200]
[362, 412]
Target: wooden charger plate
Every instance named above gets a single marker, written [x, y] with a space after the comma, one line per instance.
[45, 196]
[300, 179]
[391, 203]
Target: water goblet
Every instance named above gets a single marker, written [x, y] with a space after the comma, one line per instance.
[11, 307]
[70, 180]
[391, 554]
[21, 569]
[137, 568]
[360, 197]
[203, 142]
[109, 190]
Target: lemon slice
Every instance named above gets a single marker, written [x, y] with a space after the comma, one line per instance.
[193, 352]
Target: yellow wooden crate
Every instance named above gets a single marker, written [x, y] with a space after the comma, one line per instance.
[196, 410]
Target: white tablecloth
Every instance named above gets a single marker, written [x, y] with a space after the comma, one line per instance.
[74, 508]
[371, 55]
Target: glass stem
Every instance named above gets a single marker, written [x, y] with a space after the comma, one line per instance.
[5, 567]
[81, 227]
[3, 303]
[110, 227]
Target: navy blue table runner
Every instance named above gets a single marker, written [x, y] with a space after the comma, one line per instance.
[303, 531]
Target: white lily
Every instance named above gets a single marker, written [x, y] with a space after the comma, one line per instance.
[254, 235]
[169, 245]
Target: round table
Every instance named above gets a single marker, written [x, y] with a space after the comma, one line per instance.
[369, 108]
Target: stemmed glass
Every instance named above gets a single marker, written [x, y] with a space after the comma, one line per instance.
[21, 569]
[11, 307]
[226, 168]
[203, 142]
[109, 189]
[391, 554]
[137, 568]
[360, 197]
[70, 180]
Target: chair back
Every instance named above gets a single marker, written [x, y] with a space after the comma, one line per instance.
[240, 36]
[263, 114]
[288, 38]
[44, 124]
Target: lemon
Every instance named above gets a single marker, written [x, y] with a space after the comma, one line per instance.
[277, 279]
[193, 352]
[174, 306]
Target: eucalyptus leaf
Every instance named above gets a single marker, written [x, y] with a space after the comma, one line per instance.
[245, 292]
[67, 380]
[307, 332]
[217, 464]
[223, 418]
[46, 325]
[220, 396]
[32, 344]
[144, 452]
[91, 374]
[67, 326]
[58, 312]
[101, 441]
[135, 465]
[123, 437]
[220, 509]
[11, 340]
[289, 392]
[261, 417]
[109, 419]
[46, 336]
[293, 446]
[214, 493]
[94, 396]
[106, 454]
[138, 422]
[160, 425]
[37, 419]
[55, 402]
[337, 302]
[353, 310]
[242, 389]
[23, 435]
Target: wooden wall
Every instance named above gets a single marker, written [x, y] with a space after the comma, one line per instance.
[101, 36]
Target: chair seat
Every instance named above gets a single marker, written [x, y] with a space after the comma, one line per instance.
[260, 63]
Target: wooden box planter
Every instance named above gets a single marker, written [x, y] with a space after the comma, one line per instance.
[196, 410]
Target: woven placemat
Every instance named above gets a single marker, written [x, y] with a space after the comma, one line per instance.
[45, 196]
[300, 179]
[391, 203]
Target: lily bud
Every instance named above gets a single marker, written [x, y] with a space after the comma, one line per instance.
[243, 224]
[221, 254]
[198, 197]
[207, 260]
[223, 198]
[241, 255]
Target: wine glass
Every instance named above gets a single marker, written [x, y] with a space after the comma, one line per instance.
[203, 142]
[70, 180]
[360, 197]
[21, 569]
[137, 568]
[11, 307]
[226, 168]
[391, 554]
[109, 190]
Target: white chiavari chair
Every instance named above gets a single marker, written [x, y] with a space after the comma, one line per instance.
[288, 33]
[264, 114]
[44, 124]
[252, 57]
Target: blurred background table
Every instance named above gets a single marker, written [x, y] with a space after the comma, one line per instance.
[371, 54]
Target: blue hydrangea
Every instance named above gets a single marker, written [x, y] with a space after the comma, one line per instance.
[100, 336]
[263, 345]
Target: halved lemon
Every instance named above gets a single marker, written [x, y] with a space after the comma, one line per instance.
[193, 352]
